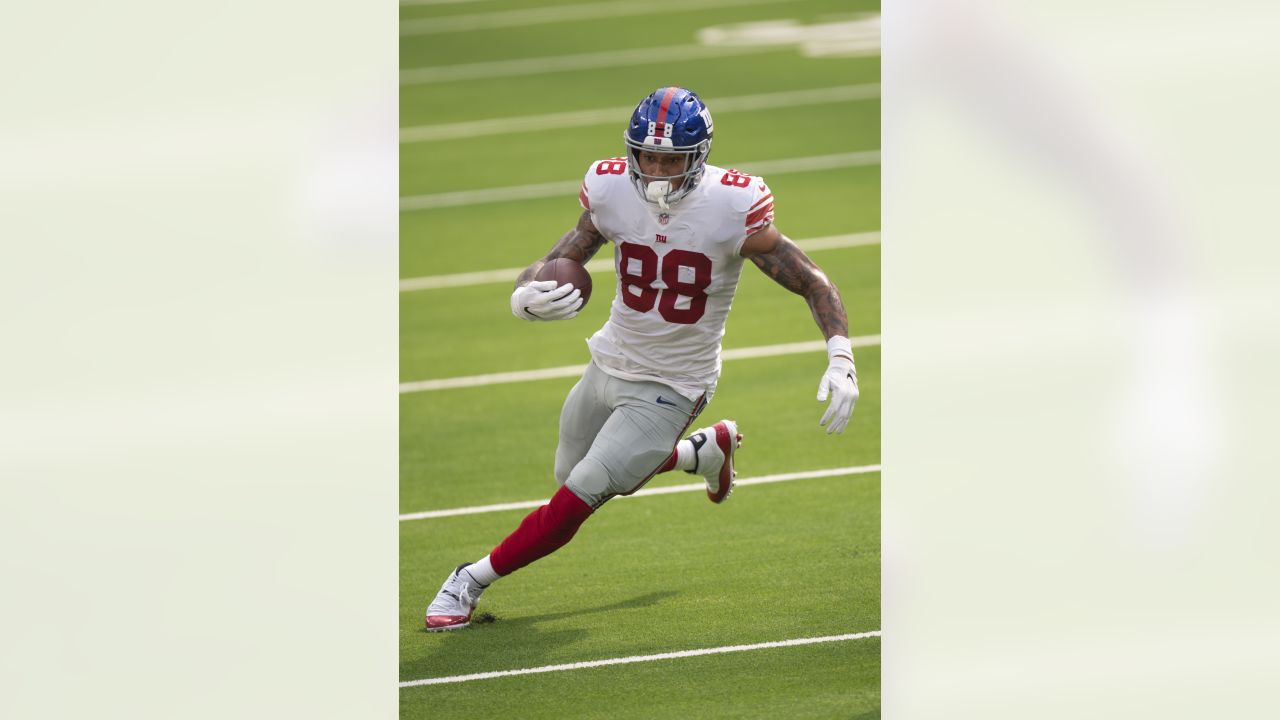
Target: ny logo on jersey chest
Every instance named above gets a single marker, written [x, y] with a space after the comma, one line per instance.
[660, 238]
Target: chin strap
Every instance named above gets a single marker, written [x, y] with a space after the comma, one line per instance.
[657, 191]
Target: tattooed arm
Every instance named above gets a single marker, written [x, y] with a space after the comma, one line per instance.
[531, 300]
[780, 259]
[580, 244]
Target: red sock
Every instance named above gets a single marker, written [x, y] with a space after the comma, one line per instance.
[541, 533]
[670, 464]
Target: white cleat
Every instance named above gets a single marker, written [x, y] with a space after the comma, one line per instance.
[713, 452]
[455, 602]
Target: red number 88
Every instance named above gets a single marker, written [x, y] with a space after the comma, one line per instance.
[611, 167]
[645, 296]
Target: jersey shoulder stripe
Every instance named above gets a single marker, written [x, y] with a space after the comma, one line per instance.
[746, 194]
[760, 214]
[760, 217]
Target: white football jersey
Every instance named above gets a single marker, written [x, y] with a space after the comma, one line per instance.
[677, 271]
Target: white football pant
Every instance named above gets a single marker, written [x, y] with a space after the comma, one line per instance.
[615, 434]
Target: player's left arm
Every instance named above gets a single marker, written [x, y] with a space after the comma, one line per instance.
[779, 258]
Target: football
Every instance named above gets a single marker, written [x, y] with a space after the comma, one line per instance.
[564, 270]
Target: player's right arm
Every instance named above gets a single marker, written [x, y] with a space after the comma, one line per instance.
[542, 299]
[579, 244]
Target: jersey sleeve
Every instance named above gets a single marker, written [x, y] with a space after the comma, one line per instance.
[595, 184]
[760, 213]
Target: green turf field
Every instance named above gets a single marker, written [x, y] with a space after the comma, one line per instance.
[659, 573]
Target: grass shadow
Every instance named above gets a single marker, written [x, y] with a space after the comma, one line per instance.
[639, 601]
[505, 641]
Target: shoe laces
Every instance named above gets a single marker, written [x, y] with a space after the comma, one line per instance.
[464, 595]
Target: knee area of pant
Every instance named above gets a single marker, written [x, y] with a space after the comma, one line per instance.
[589, 480]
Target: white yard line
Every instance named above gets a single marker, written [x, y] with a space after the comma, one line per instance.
[491, 379]
[580, 118]
[577, 61]
[508, 275]
[489, 195]
[814, 162]
[563, 13]
[640, 658]
[834, 242]
[671, 489]
[564, 371]
[568, 187]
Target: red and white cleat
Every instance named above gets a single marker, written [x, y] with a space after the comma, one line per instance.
[714, 447]
[455, 602]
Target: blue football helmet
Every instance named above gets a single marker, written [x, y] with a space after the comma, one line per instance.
[671, 120]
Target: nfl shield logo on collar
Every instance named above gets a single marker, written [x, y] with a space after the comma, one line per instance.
[663, 218]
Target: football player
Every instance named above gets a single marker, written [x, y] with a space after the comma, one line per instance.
[681, 230]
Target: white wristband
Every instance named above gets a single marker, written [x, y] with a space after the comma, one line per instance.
[839, 345]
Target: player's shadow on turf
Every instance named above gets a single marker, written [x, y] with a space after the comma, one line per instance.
[652, 598]
[534, 643]
[529, 621]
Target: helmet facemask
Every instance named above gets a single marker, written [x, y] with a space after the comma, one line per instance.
[659, 188]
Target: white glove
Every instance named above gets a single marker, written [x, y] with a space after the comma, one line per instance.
[840, 382]
[543, 300]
